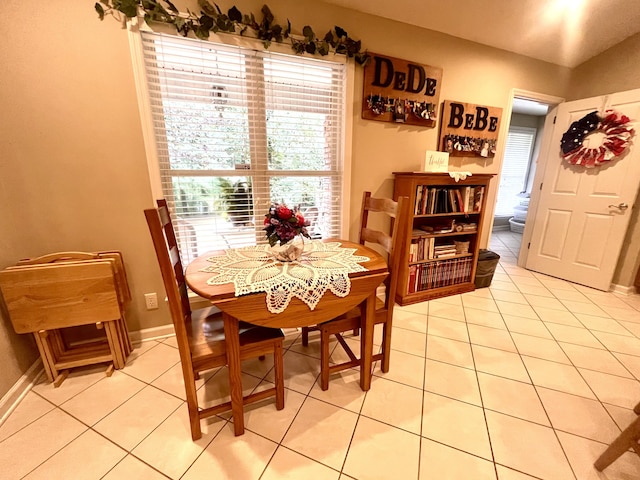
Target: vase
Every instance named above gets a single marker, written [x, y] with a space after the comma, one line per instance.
[290, 251]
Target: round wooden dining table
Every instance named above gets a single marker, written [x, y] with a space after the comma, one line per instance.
[252, 308]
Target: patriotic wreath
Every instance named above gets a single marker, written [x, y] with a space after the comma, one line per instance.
[615, 140]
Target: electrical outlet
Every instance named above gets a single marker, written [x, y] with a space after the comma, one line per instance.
[151, 300]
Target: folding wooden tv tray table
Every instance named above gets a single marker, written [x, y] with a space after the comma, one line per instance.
[47, 294]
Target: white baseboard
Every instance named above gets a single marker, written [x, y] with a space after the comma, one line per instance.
[623, 290]
[152, 333]
[14, 396]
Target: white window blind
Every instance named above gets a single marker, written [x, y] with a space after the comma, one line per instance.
[237, 130]
[515, 169]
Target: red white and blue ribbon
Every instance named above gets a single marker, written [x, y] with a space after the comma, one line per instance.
[616, 132]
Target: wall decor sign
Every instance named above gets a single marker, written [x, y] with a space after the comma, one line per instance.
[436, 161]
[400, 91]
[469, 130]
[596, 139]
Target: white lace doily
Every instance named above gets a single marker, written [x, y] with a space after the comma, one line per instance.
[459, 175]
[322, 267]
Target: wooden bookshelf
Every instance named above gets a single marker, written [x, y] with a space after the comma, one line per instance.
[441, 251]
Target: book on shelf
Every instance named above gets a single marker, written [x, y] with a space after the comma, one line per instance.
[478, 193]
[413, 270]
[426, 276]
[421, 248]
[439, 228]
[462, 206]
[432, 201]
[468, 227]
[468, 203]
[439, 200]
[445, 255]
[453, 201]
[444, 251]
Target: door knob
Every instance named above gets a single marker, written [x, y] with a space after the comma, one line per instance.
[621, 206]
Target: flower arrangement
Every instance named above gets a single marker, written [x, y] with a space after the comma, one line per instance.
[284, 224]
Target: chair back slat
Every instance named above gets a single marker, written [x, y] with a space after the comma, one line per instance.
[174, 253]
[385, 205]
[375, 236]
[400, 230]
[398, 212]
[172, 277]
[174, 257]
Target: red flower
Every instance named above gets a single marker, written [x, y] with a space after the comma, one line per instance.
[284, 213]
[282, 224]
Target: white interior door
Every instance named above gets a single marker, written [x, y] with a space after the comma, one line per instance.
[578, 228]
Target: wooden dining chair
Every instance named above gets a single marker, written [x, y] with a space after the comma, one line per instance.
[628, 439]
[392, 244]
[200, 333]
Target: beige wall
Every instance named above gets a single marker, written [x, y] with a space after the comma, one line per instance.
[73, 173]
[615, 70]
[72, 166]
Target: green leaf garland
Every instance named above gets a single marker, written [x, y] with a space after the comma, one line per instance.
[212, 19]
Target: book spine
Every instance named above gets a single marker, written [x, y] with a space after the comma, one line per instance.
[412, 278]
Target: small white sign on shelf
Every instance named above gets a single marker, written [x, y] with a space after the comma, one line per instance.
[436, 161]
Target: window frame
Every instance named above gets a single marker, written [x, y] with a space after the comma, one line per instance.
[136, 25]
[525, 183]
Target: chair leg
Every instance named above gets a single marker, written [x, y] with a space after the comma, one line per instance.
[628, 438]
[192, 403]
[356, 332]
[305, 336]
[386, 346]
[324, 359]
[278, 365]
[637, 409]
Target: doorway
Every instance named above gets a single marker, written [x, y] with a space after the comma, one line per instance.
[522, 148]
[579, 216]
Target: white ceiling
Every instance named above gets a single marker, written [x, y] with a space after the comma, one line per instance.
[564, 32]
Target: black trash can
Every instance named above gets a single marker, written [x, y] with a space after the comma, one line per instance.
[487, 263]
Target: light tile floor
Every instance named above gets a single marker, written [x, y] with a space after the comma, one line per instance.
[530, 378]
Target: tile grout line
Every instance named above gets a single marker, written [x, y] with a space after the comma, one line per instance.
[484, 411]
[535, 387]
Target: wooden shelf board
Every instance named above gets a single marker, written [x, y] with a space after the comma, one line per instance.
[439, 215]
[431, 260]
[446, 234]
[433, 293]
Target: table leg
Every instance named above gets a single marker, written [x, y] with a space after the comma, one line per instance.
[232, 340]
[366, 341]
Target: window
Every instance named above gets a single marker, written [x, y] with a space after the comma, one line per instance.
[237, 129]
[515, 169]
